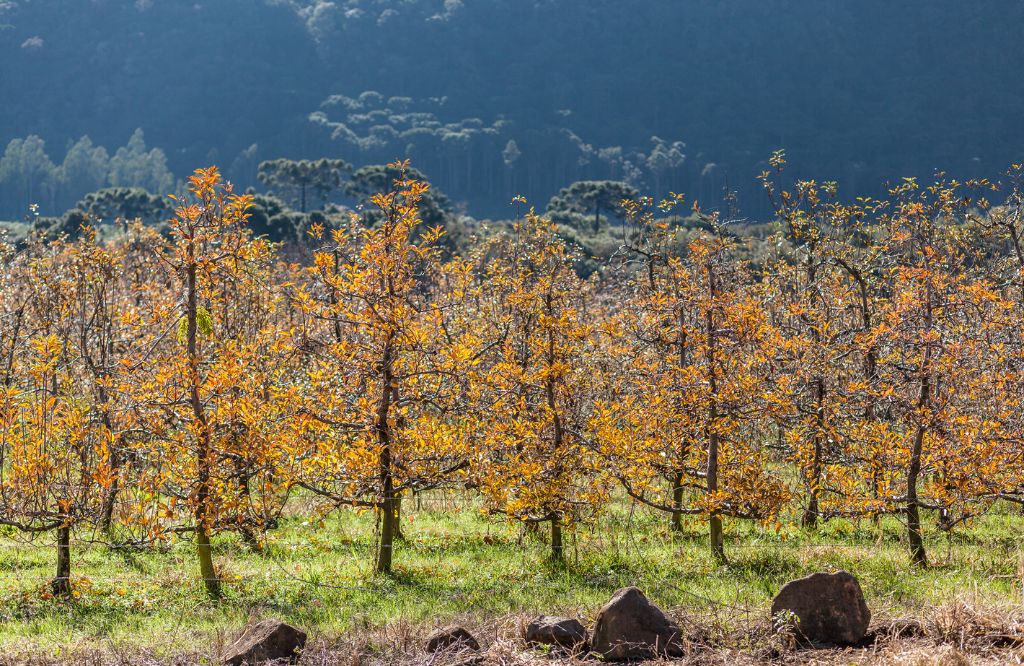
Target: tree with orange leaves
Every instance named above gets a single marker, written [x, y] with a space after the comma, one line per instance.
[697, 394]
[57, 428]
[939, 384]
[384, 352]
[532, 400]
[196, 383]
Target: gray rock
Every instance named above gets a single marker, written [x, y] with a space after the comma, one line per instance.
[266, 641]
[829, 608]
[559, 631]
[454, 638]
[630, 627]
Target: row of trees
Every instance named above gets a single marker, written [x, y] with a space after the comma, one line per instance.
[28, 175]
[191, 385]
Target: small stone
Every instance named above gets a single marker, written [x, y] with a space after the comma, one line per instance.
[829, 608]
[266, 641]
[559, 631]
[454, 638]
[630, 627]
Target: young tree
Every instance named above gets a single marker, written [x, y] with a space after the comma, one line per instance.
[811, 287]
[698, 389]
[532, 403]
[54, 458]
[381, 375]
[194, 369]
[938, 337]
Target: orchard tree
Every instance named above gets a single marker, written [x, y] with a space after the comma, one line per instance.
[699, 387]
[811, 288]
[533, 399]
[184, 384]
[382, 372]
[54, 457]
[938, 337]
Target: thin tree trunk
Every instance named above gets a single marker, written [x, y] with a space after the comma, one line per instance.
[677, 503]
[715, 519]
[201, 513]
[550, 390]
[388, 500]
[810, 517]
[388, 528]
[914, 535]
[110, 499]
[399, 534]
[557, 550]
[61, 585]
[913, 510]
[676, 524]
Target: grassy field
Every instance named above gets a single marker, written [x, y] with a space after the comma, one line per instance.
[456, 565]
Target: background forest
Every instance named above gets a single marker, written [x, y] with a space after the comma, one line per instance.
[503, 97]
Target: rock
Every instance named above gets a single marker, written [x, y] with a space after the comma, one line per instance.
[266, 641]
[631, 627]
[559, 631]
[455, 638]
[829, 608]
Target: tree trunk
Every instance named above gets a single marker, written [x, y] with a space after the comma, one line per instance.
[110, 499]
[206, 569]
[399, 534]
[715, 519]
[388, 528]
[557, 549]
[677, 503]
[810, 517]
[717, 538]
[914, 536]
[550, 390]
[201, 512]
[913, 510]
[61, 585]
[389, 521]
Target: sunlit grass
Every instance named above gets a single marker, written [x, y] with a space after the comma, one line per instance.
[454, 563]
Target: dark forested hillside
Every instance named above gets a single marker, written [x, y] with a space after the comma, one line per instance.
[495, 97]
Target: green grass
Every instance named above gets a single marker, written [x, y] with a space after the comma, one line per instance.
[456, 563]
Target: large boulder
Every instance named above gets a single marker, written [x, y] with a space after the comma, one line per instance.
[266, 641]
[630, 627]
[828, 608]
[557, 631]
[451, 638]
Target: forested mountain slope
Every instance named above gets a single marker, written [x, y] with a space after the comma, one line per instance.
[493, 97]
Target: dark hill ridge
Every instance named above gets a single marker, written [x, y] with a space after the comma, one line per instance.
[861, 92]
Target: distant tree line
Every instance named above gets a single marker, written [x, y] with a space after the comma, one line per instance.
[29, 176]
